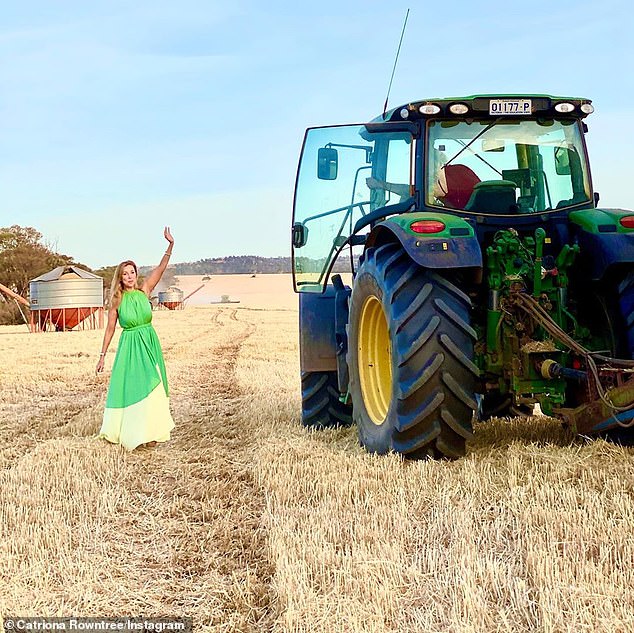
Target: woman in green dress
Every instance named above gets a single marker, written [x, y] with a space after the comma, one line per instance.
[137, 406]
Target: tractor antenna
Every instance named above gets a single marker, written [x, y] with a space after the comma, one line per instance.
[387, 96]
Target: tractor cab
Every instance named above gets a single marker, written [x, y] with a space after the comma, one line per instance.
[475, 157]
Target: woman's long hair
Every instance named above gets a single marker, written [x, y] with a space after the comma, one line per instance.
[116, 287]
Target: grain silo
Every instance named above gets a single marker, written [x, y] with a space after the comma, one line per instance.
[65, 298]
[172, 298]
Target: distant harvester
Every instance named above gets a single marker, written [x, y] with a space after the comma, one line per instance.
[66, 298]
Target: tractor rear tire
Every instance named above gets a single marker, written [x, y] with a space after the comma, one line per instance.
[495, 405]
[611, 314]
[624, 326]
[410, 356]
[625, 291]
[321, 407]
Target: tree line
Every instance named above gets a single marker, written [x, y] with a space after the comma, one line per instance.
[243, 265]
[234, 265]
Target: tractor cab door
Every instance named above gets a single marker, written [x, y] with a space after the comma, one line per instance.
[342, 176]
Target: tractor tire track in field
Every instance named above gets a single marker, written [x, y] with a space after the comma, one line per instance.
[211, 450]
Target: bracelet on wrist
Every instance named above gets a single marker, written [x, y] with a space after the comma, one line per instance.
[102, 354]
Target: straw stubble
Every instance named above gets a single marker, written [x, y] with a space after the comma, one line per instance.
[246, 521]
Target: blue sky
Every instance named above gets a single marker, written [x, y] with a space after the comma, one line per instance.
[118, 118]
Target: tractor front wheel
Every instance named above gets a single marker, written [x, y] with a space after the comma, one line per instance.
[410, 356]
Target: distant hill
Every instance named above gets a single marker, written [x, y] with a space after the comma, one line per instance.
[240, 264]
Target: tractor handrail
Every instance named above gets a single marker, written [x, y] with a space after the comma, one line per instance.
[347, 207]
[377, 214]
[382, 212]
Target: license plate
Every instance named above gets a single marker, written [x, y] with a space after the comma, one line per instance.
[509, 106]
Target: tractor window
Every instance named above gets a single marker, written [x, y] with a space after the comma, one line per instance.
[344, 173]
[506, 167]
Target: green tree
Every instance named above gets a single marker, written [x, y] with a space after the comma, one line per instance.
[107, 273]
[23, 257]
[14, 236]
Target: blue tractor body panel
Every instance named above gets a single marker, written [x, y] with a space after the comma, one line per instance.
[323, 319]
[600, 233]
[317, 344]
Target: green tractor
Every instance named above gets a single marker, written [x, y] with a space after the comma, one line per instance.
[485, 280]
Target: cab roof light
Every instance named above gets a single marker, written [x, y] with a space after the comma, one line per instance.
[587, 108]
[627, 221]
[429, 108]
[404, 113]
[458, 108]
[564, 108]
[427, 226]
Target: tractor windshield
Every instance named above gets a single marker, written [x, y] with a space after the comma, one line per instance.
[345, 172]
[506, 167]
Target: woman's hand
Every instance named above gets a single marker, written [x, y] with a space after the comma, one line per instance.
[100, 364]
[168, 235]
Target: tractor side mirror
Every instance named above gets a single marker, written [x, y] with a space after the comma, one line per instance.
[327, 163]
[562, 161]
[299, 235]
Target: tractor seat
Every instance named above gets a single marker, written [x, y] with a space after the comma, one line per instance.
[493, 196]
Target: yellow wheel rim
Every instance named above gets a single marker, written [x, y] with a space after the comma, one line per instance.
[375, 360]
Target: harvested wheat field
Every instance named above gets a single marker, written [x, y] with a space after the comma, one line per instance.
[247, 522]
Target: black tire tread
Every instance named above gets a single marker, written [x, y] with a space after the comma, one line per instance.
[434, 376]
[321, 407]
[625, 299]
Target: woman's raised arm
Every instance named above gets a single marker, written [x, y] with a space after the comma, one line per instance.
[155, 276]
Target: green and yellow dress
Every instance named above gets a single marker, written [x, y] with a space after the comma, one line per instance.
[137, 406]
